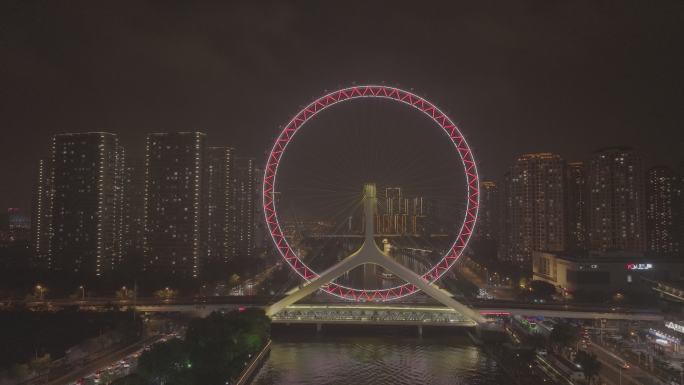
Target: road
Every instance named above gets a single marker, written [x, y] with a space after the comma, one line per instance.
[102, 362]
[551, 372]
[500, 293]
[612, 371]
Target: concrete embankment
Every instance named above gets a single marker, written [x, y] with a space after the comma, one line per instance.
[254, 365]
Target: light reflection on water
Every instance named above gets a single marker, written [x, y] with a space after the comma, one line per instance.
[377, 360]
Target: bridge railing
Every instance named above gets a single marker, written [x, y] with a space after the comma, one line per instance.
[412, 316]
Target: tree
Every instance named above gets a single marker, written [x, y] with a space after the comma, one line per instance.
[542, 289]
[41, 365]
[19, 371]
[590, 364]
[124, 293]
[215, 349]
[564, 334]
[164, 361]
[233, 280]
[220, 344]
[166, 293]
[131, 379]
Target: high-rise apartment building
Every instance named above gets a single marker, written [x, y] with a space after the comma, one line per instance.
[85, 203]
[505, 209]
[537, 215]
[679, 209]
[173, 203]
[246, 198]
[576, 198]
[616, 201]
[41, 213]
[220, 204]
[400, 214]
[488, 212]
[395, 215]
[133, 212]
[663, 192]
[19, 225]
[419, 210]
[245, 206]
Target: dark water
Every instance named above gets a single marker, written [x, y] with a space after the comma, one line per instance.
[378, 360]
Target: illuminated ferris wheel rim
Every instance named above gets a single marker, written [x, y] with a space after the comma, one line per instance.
[286, 135]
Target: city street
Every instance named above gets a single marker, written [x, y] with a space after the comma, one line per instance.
[613, 372]
[498, 292]
[103, 362]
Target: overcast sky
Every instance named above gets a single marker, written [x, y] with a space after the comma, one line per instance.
[517, 76]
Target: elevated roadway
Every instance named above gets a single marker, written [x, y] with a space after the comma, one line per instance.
[205, 305]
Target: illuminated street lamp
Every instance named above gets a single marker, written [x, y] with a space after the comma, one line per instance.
[82, 288]
[41, 291]
[123, 293]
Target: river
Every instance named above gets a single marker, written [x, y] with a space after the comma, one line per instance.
[377, 360]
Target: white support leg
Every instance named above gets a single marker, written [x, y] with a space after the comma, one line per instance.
[370, 253]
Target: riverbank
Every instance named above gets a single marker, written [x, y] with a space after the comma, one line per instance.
[254, 365]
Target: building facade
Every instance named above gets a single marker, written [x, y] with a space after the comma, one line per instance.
[401, 214]
[18, 225]
[133, 221]
[663, 191]
[246, 198]
[86, 202]
[174, 221]
[41, 213]
[488, 213]
[220, 205]
[505, 208]
[576, 213]
[616, 201]
[395, 214]
[604, 272]
[420, 209]
[537, 206]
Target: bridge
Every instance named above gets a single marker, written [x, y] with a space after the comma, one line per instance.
[453, 314]
[359, 314]
[369, 252]
[487, 308]
[381, 235]
[431, 315]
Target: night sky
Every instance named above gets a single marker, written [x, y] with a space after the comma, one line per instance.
[516, 76]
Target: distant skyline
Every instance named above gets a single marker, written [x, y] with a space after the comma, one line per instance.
[521, 77]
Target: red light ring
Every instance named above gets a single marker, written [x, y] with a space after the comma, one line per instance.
[382, 92]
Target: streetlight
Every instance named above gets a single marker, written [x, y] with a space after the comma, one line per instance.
[167, 293]
[41, 291]
[620, 374]
[82, 288]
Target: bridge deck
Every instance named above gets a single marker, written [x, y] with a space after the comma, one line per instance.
[372, 314]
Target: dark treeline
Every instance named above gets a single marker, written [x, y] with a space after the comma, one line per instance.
[17, 280]
[214, 351]
[29, 334]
